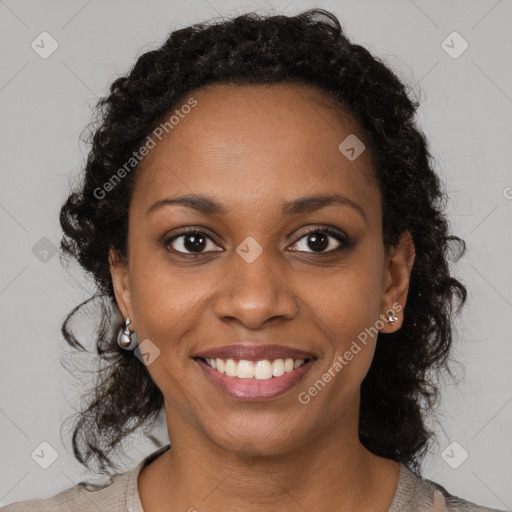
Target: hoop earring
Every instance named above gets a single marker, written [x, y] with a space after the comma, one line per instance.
[392, 318]
[127, 339]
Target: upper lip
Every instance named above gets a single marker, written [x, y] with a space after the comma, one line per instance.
[253, 352]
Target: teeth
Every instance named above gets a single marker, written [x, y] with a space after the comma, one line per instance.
[231, 368]
[245, 369]
[278, 368]
[261, 370]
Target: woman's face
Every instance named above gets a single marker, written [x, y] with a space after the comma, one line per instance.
[255, 275]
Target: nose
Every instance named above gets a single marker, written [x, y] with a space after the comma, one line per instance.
[254, 293]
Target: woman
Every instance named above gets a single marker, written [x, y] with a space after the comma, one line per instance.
[260, 209]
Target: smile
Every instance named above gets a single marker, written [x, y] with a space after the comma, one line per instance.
[254, 380]
[261, 370]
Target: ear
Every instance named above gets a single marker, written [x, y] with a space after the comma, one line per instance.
[121, 283]
[396, 281]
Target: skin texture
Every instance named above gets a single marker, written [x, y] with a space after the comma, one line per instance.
[252, 148]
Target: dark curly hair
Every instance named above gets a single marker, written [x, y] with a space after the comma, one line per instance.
[401, 386]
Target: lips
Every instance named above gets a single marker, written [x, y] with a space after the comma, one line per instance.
[251, 352]
[254, 390]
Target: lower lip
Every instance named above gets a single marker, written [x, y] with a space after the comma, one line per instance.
[254, 389]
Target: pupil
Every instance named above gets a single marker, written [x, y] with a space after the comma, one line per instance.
[197, 242]
[316, 241]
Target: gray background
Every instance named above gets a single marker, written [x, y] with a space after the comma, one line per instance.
[45, 104]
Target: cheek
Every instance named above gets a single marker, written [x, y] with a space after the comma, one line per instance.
[165, 315]
[349, 301]
[167, 305]
[347, 318]
[348, 309]
[166, 301]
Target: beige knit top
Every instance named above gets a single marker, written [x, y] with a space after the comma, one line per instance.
[119, 494]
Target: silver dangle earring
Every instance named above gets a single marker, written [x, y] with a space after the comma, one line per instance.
[392, 318]
[127, 339]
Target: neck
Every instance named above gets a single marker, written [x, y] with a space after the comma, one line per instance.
[334, 467]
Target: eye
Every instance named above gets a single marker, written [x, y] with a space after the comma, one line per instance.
[322, 240]
[191, 242]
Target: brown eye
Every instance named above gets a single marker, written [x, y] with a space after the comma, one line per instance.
[321, 240]
[191, 242]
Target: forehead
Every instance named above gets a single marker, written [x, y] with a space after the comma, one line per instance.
[255, 142]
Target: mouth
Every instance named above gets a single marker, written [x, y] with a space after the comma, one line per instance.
[263, 379]
[263, 369]
[254, 352]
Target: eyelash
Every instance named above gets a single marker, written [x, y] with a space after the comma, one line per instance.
[342, 239]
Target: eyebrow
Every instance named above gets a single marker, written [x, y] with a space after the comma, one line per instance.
[210, 206]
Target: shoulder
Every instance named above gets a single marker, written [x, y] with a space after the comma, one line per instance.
[117, 493]
[107, 493]
[442, 498]
[418, 494]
